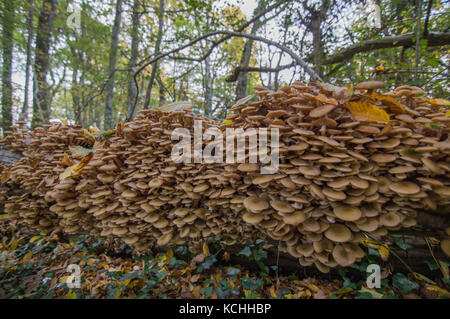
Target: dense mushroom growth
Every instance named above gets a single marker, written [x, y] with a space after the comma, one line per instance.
[340, 174]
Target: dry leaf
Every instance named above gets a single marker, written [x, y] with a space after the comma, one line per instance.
[176, 106]
[367, 112]
[66, 161]
[391, 102]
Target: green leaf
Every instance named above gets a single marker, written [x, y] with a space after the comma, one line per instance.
[246, 251]
[233, 271]
[251, 283]
[390, 295]
[403, 245]
[404, 284]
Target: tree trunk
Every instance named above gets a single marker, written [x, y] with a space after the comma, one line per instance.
[155, 65]
[241, 86]
[7, 46]
[41, 107]
[162, 93]
[109, 119]
[24, 113]
[208, 88]
[133, 59]
[315, 27]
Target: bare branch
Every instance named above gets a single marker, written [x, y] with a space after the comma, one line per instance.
[298, 60]
[434, 39]
[236, 71]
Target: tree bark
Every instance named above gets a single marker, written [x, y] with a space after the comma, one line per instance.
[41, 107]
[7, 46]
[134, 56]
[208, 87]
[109, 118]
[241, 86]
[24, 112]
[155, 65]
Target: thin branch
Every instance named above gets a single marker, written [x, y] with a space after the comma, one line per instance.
[293, 55]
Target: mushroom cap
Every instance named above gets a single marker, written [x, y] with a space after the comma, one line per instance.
[164, 239]
[252, 218]
[445, 246]
[294, 218]
[248, 167]
[404, 188]
[390, 219]
[255, 204]
[281, 206]
[370, 85]
[334, 195]
[343, 256]
[347, 213]
[338, 233]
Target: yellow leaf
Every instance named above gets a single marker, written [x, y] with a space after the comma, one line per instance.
[66, 161]
[273, 293]
[71, 294]
[205, 248]
[367, 112]
[447, 113]
[196, 291]
[227, 122]
[34, 238]
[63, 279]
[76, 168]
[384, 252]
[391, 102]
[440, 291]
[64, 122]
[370, 243]
[126, 282]
[15, 243]
[438, 102]
[5, 176]
[117, 294]
[169, 255]
[27, 257]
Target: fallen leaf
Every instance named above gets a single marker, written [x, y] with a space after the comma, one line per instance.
[438, 102]
[205, 249]
[79, 152]
[367, 112]
[391, 102]
[176, 106]
[383, 250]
[66, 161]
[273, 293]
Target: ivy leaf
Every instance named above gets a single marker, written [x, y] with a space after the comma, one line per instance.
[233, 271]
[246, 251]
[404, 284]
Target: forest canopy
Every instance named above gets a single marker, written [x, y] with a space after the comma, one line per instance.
[95, 63]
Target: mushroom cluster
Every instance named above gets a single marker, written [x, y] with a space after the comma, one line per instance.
[338, 177]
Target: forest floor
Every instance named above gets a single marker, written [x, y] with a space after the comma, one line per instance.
[36, 266]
